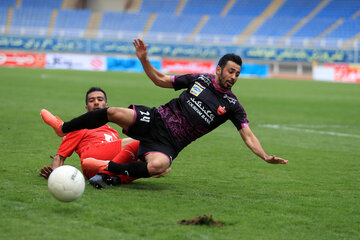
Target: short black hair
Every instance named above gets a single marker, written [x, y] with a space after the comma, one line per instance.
[94, 89]
[229, 57]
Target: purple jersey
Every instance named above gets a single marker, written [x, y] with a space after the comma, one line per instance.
[200, 109]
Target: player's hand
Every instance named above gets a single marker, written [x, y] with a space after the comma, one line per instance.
[46, 171]
[275, 160]
[140, 48]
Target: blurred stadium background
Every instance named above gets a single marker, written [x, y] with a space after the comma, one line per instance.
[307, 39]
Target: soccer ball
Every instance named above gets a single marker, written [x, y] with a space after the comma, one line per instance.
[66, 183]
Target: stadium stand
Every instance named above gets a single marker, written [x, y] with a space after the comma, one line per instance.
[116, 24]
[159, 6]
[285, 19]
[170, 27]
[109, 24]
[41, 4]
[248, 8]
[328, 16]
[266, 22]
[220, 29]
[346, 30]
[133, 22]
[200, 7]
[71, 23]
[339, 8]
[30, 21]
[7, 3]
[3, 19]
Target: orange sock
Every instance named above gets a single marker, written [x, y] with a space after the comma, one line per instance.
[92, 164]
[128, 154]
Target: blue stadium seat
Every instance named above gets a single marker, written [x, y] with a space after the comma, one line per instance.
[249, 7]
[3, 19]
[285, 19]
[314, 27]
[122, 24]
[3, 16]
[111, 20]
[159, 6]
[30, 21]
[134, 21]
[332, 12]
[296, 8]
[347, 30]
[173, 27]
[223, 29]
[110, 24]
[41, 3]
[339, 9]
[201, 7]
[7, 3]
[342, 33]
[71, 23]
[276, 27]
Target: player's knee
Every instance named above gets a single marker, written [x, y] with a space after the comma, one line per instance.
[157, 167]
[124, 117]
[112, 112]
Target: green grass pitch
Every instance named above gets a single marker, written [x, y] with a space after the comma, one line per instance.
[315, 125]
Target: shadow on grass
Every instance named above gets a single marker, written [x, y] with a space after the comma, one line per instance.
[144, 185]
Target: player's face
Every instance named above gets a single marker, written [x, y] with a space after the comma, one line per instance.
[95, 100]
[228, 75]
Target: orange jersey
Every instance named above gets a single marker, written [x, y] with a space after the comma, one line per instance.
[79, 141]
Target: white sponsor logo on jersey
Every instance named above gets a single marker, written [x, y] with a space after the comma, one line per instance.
[108, 138]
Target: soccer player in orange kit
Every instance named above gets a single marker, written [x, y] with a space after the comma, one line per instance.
[102, 143]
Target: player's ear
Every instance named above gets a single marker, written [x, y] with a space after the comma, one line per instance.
[86, 107]
[218, 70]
[107, 105]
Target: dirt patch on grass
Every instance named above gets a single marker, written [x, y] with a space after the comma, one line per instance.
[201, 220]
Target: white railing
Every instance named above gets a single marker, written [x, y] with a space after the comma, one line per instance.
[204, 39]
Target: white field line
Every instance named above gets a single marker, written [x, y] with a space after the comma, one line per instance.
[282, 127]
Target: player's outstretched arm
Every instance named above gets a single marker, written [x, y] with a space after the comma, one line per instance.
[57, 162]
[159, 79]
[254, 144]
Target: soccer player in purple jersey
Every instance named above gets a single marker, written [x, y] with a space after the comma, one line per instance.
[163, 132]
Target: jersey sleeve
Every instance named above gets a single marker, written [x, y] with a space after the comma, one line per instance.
[182, 81]
[239, 117]
[70, 143]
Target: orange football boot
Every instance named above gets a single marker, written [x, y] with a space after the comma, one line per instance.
[53, 121]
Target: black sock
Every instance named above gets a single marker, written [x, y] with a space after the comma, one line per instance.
[132, 169]
[89, 120]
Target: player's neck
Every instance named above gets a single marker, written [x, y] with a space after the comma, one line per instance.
[216, 83]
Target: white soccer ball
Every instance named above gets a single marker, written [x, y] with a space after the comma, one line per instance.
[66, 183]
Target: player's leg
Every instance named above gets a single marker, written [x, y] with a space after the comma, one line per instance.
[126, 141]
[156, 163]
[97, 157]
[103, 151]
[124, 117]
[99, 177]
[105, 178]
[128, 153]
[94, 169]
[157, 166]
